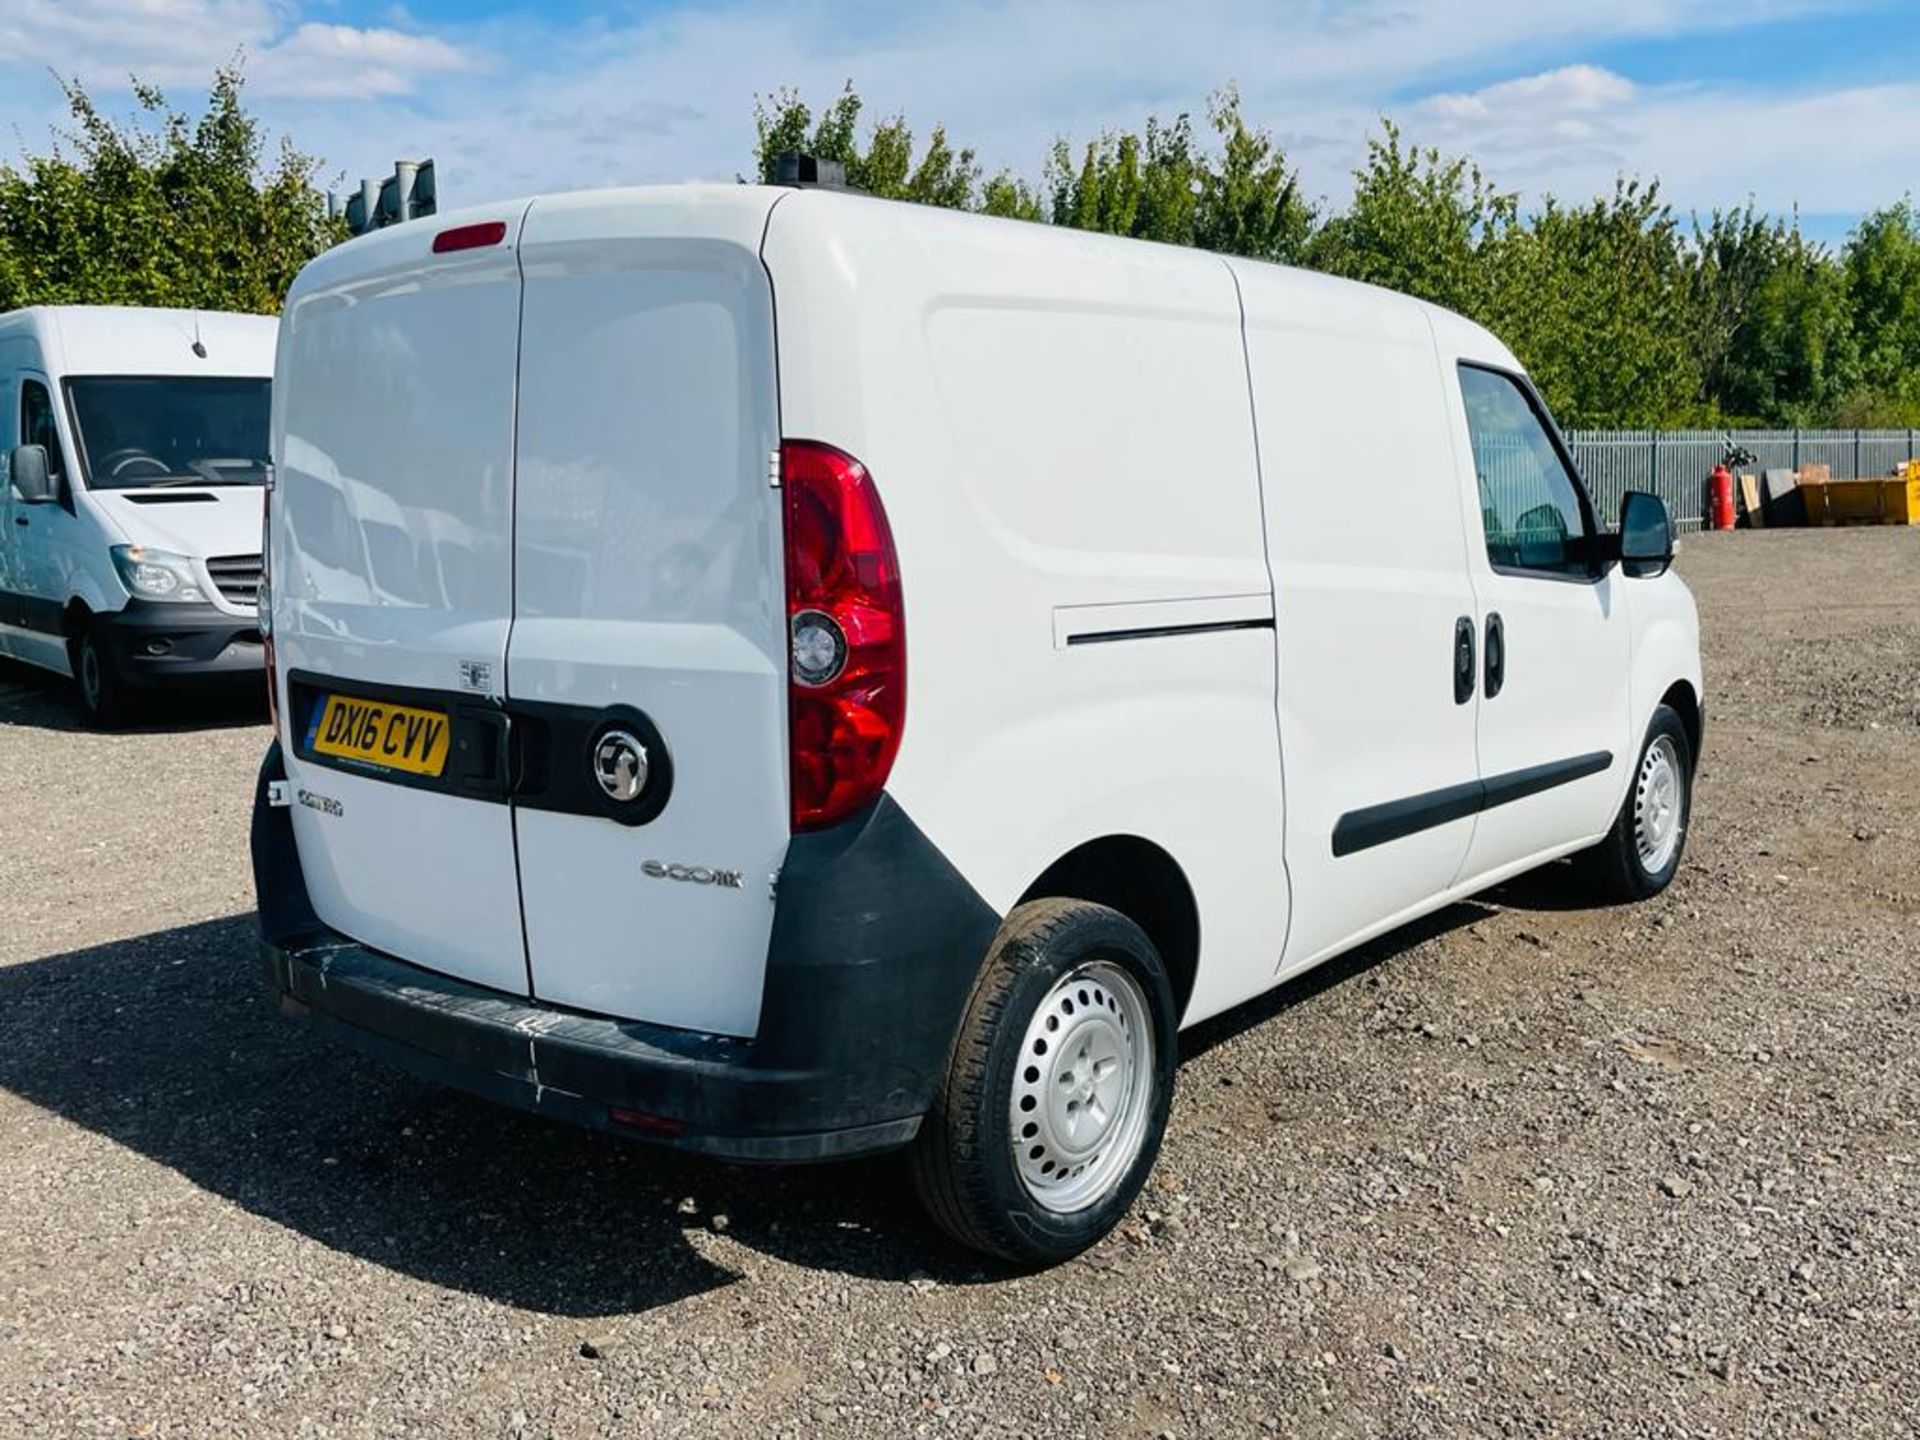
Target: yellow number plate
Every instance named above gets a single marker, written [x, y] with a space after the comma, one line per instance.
[393, 737]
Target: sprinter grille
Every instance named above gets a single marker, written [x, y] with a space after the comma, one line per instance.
[236, 576]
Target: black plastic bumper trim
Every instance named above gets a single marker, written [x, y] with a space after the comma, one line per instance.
[569, 1066]
[201, 642]
[876, 943]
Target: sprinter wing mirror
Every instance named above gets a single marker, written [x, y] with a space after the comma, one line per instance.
[33, 482]
[1646, 535]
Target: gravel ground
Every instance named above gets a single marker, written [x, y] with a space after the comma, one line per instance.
[1525, 1169]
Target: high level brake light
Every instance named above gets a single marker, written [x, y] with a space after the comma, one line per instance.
[470, 237]
[847, 685]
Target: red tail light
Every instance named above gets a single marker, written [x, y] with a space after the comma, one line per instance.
[847, 638]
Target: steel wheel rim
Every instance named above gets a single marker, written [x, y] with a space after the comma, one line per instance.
[90, 674]
[1659, 804]
[1082, 1088]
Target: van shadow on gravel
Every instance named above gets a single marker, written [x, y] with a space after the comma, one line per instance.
[1556, 886]
[1325, 976]
[169, 1045]
[37, 699]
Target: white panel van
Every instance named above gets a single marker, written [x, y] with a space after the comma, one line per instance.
[792, 675]
[135, 444]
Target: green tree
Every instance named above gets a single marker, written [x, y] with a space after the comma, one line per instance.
[1769, 317]
[1159, 185]
[1735, 255]
[168, 209]
[1146, 186]
[885, 167]
[1593, 300]
[1882, 264]
[1419, 222]
[1010, 198]
[1249, 199]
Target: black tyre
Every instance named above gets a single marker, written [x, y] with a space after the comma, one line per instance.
[105, 697]
[1641, 853]
[1056, 1094]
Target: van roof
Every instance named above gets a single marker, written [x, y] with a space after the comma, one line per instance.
[740, 212]
[1289, 280]
[144, 340]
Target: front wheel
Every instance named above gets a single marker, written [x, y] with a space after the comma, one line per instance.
[105, 697]
[1056, 1094]
[1641, 853]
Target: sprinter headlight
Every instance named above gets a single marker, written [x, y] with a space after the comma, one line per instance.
[156, 574]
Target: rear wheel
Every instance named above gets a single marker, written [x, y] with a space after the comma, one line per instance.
[1641, 853]
[105, 697]
[1056, 1094]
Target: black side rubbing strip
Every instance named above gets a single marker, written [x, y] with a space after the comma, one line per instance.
[1397, 819]
[32, 612]
[1518, 784]
[1154, 632]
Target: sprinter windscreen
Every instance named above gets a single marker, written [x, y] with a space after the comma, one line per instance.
[137, 432]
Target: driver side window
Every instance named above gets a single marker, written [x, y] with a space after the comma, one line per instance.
[37, 425]
[1529, 501]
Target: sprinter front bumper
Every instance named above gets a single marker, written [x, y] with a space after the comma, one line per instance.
[165, 642]
[876, 943]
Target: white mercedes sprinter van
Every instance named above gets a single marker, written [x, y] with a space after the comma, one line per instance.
[790, 675]
[135, 442]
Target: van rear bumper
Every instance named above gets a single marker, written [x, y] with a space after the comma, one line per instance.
[696, 1092]
[876, 943]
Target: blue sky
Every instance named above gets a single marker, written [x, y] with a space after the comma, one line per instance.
[1807, 103]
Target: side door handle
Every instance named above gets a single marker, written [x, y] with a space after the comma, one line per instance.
[1496, 655]
[1463, 666]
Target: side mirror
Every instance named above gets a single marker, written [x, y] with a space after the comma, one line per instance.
[1646, 535]
[27, 466]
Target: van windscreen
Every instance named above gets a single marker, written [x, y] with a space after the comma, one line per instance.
[136, 432]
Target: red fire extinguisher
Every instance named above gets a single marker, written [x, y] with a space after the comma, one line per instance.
[1720, 499]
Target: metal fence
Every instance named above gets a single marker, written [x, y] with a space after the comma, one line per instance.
[1675, 464]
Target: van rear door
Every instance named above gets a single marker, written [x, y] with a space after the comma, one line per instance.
[649, 606]
[392, 567]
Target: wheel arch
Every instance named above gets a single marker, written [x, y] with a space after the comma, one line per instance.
[1145, 883]
[1684, 701]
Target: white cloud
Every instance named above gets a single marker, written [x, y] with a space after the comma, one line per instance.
[344, 62]
[1570, 90]
[1572, 131]
[173, 42]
